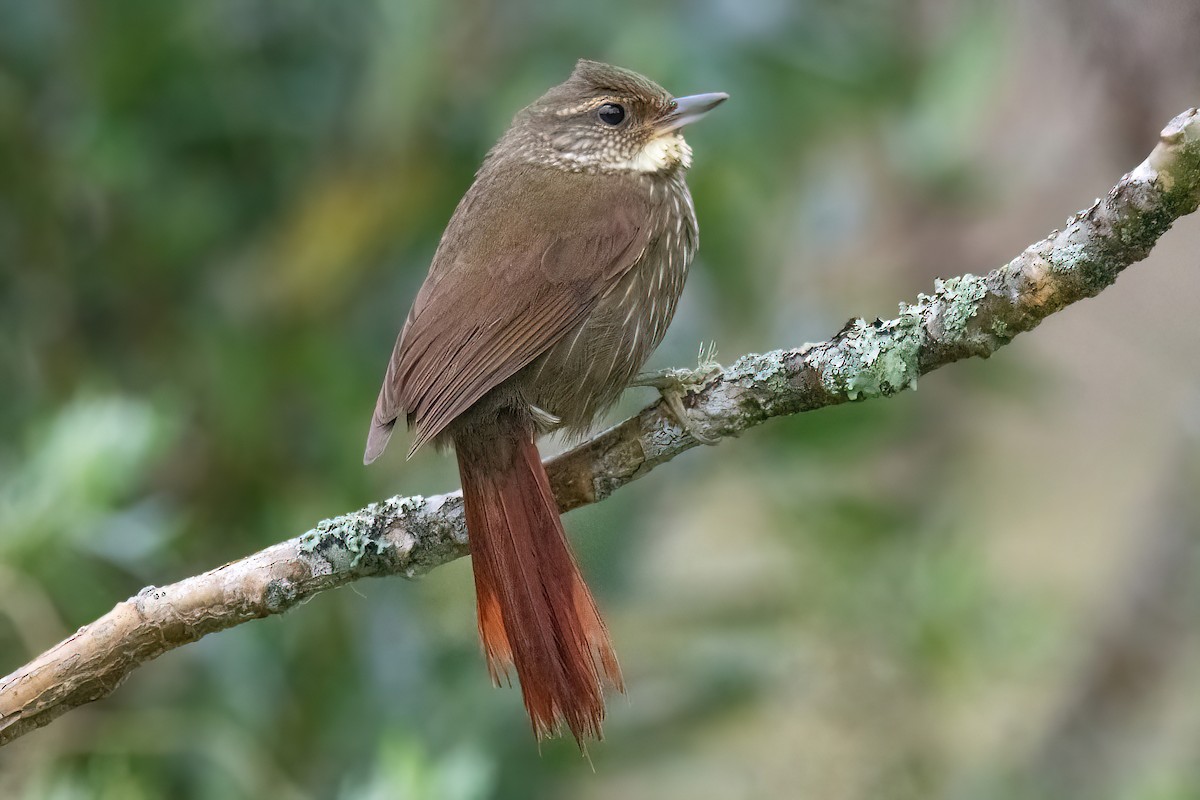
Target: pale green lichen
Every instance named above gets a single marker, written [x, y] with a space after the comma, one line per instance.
[958, 300]
[873, 360]
[760, 369]
[1070, 254]
[344, 541]
[768, 372]
[1100, 242]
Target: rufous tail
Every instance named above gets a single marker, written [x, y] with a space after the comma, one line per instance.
[535, 612]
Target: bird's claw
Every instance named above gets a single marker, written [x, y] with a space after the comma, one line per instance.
[673, 384]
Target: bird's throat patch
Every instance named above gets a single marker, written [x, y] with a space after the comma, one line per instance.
[661, 154]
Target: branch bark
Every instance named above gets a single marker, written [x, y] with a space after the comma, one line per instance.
[965, 316]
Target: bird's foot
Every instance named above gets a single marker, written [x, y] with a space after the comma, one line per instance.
[674, 384]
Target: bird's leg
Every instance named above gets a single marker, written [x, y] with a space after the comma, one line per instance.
[673, 384]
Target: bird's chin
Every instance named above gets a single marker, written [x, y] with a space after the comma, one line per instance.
[664, 153]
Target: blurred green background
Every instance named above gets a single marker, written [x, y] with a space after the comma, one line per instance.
[213, 217]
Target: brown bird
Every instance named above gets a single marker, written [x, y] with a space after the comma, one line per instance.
[554, 281]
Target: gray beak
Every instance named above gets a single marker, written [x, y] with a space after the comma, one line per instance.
[689, 109]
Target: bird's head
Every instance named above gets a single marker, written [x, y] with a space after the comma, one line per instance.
[608, 119]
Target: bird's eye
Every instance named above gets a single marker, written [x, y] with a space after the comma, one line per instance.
[611, 114]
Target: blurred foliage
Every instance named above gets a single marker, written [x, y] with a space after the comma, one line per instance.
[213, 217]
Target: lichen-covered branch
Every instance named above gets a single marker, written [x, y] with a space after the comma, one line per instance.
[965, 316]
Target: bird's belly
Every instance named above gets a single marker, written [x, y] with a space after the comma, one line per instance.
[586, 372]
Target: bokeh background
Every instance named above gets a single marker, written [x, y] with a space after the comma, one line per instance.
[213, 217]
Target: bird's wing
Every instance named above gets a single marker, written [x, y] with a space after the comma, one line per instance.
[523, 261]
